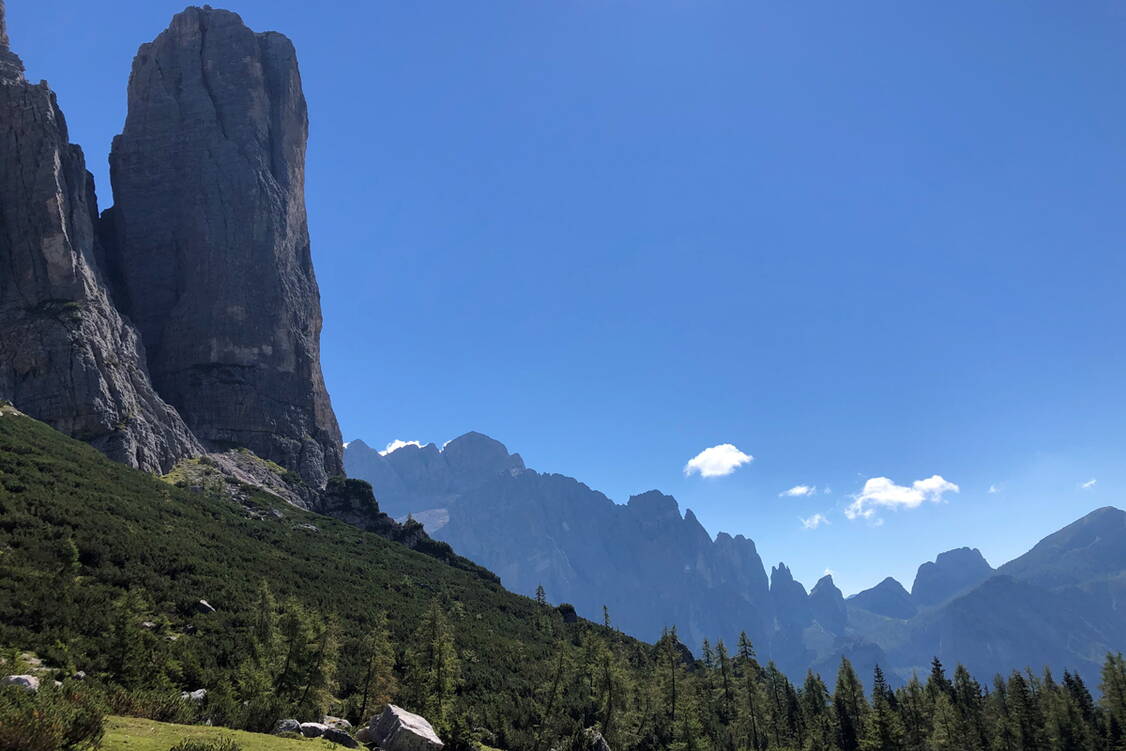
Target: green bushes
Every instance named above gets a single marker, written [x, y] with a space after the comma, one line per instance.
[223, 744]
[51, 719]
[162, 706]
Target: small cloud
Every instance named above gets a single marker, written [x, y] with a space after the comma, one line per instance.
[797, 491]
[397, 444]
[813, 522]
[881, 492]
[347, 444]
[717, 461]
[829, 572]
[826, 491]
[1089, 484]
[994, 489]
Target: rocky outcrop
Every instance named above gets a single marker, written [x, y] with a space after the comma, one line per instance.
[396, 729]
[951, 573]
[208, 243]
[67, 357]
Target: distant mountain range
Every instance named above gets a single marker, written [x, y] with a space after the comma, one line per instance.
[1061, 604]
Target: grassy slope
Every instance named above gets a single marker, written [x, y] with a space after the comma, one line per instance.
[133, 531]
[132, 734]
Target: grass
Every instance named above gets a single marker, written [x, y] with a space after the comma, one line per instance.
[132, 734]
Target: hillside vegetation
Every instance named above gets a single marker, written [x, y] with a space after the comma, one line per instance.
[102, 570]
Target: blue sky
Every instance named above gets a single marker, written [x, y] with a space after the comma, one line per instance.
[856, 241]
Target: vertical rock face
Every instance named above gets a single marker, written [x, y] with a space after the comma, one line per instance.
[210, 246]
[66, 356]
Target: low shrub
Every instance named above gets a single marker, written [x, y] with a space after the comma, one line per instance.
[69, 718]
[195, 744]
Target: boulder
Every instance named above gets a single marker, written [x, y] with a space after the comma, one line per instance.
[396, 729]
[365, 736]
[313, 729]
[593, 741]
[198, 695]
[28, 682]
[337, 722]
[288, 726]
[338, 736]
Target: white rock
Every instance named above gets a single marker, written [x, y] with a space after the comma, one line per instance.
[29, 682]
[399, 730]
[313, 729]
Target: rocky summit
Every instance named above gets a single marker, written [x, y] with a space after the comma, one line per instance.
[67, 356]
[209, 244]
[186, 319]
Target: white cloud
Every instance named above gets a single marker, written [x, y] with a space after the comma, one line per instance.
[347, 444]
[881, 492]
[717, 461]
[994, 489]
[797, 491]
[829, 572]
[814, 521]
[397, 444]
[1089, 484]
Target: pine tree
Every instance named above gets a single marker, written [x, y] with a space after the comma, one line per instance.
[816, 714]
[320, 673]
[434, 670]
[969, 704]
[541, 596]
[379, 684]
[753, 701]
[850, 707]
[937, 682]
[883, 729]
[1113, 687]
[915, 709]
[1025, 715]
[297, 634]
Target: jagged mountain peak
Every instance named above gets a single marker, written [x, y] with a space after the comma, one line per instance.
[826, 584]
[1089, 548]
[654, 505]
[888, 598]
[951, 573]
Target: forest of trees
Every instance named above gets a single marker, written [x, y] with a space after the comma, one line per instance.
[646, 697]
[102, 569]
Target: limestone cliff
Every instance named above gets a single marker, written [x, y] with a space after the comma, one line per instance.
[209, 244]
[67, 356]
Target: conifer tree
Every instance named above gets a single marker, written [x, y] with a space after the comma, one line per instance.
[883, 729]
[1113, 686]
[434, 669]
[1025, 715]
[915, 709]
[850, 707]
[753, 701]
[379, 684]
[816, 714]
